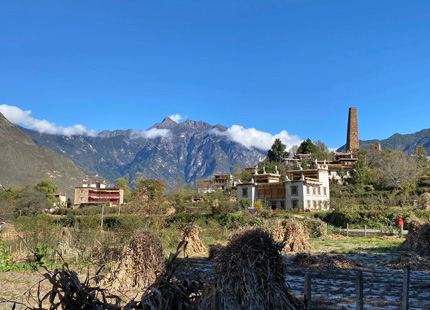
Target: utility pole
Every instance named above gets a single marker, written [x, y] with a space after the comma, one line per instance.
[103, 211]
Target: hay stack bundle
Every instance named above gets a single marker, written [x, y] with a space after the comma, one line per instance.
[324, 262]
[250, 273]
[141, 263]
[418, 238]
[294, 236]
[422, 243]
[412, 236]
[194, 243]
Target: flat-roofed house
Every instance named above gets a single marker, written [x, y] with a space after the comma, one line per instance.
[93, 193]
[308, 190]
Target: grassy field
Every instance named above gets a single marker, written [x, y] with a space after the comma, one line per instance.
[369, 245]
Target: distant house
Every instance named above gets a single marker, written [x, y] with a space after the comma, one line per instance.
[218, 181]
[308, 190]
[62, 200]
[93, 193]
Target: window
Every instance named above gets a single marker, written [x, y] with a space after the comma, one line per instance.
[319, 191]
[325, 191]
[314, 191]
[82, 191]
[294, 191]
[307, 190]
[295, 203]
[315, 204]
[309, 204]
[283, 205]
[82, 199]
[244, 192]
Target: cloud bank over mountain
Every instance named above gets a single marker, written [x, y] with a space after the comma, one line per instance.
[248, 137]
[176, 118]
[19, 117]
[253, 138]
[150, 134]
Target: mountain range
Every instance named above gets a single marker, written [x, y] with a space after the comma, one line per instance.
[22, 162]
[400, 142]
[173, 152]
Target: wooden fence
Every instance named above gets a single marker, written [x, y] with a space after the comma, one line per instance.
[359, 297]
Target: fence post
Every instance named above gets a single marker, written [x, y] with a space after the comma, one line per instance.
[359, 290]
[308, 292]
[347, 229]
[365, 230]
[405, 293]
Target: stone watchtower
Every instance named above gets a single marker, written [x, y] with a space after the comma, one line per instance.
[352, 135]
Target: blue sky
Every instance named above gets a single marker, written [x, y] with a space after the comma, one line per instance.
[290, 65]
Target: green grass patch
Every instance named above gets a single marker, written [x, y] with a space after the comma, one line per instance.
[359, 245]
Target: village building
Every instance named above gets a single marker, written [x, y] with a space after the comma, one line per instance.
[61, 200]
[340, 169]
[218, 181]
[308, 190]
[96, 193]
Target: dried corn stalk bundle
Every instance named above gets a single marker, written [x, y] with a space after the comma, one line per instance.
[422, 243]
[69, 293]
[324, 262]
[418, 238]
[416, 262]
[172, 290]
[214, 249]
[250, 274]
[141, 263]
[294, 236]
[195, 244]
[412, 236]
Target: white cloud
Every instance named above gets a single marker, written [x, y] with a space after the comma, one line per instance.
[176, 117]
[150, 134]
[19, 117]
[253, 138]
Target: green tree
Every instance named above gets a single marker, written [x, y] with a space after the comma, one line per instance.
[49, 188]
[420, 153]
[151, 187]
[277, 152]
[31, 202]
[307, 147]
[360, 175]
[123, 183]
[245, 176]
